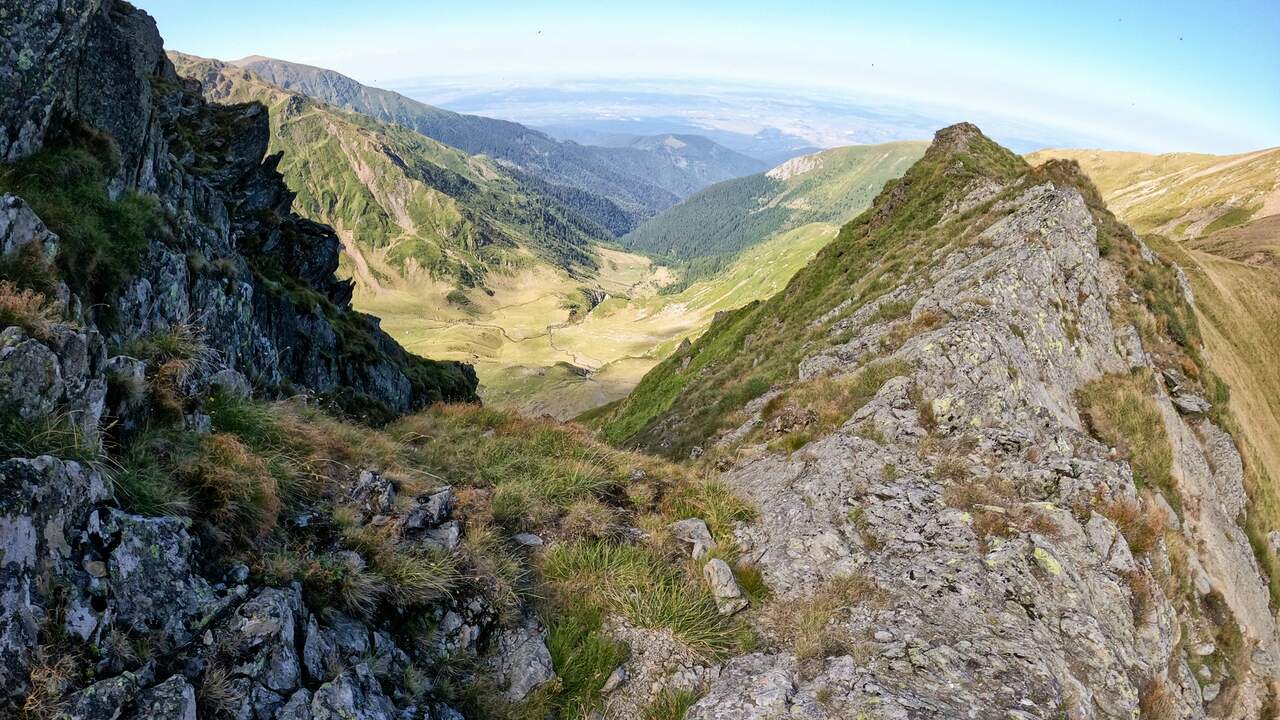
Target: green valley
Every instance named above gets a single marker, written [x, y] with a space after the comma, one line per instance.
[617, 187]
[462, 259]
[706, 232]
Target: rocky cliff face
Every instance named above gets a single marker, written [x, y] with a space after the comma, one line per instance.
[171, 273]
[230, 257]
[993, 485]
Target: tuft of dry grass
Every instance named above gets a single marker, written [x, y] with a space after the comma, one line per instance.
[27, 309]
[1121, 411]
[997, 509]
[811, 627]
[1155, 700]
[1142, 521]
[899, 335]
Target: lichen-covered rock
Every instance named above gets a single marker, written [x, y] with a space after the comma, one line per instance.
[174, 698]
[261, 640]
[353, 695]
[44, 504]
[20, 227]
[43, 379]
[521, 661]
[155, 588]
[724, 588]
[694, 533]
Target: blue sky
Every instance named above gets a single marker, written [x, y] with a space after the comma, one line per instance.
[1155, 76]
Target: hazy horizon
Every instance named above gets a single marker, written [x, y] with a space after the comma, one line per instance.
[1176, 77]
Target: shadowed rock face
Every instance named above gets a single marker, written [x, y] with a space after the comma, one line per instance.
[257, 283]
[235, 260]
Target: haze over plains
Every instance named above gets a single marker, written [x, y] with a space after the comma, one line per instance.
[1088, 74]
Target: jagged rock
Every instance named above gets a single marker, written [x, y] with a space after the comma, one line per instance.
[174, 698]
[154, 587]
[693, 532]
[320, 653]
[724, 588]
[751, 687]
[43, 378]
[297, 707]
[375, 493]
[430, 510]
[444, 538]
[262, 640]
[127, 399]
[104, 64]
[105, 699]
[522, 662]
[1191, 404]
[19, 227]
[44, 504]
[353, 695]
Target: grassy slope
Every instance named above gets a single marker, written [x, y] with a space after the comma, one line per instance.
[709, 229]
[616, 186]
[406, 206]
[678, 406]
[1238, 304]
[1181, 194]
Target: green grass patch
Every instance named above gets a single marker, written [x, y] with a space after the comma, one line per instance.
[1121, 411]
[103, 240]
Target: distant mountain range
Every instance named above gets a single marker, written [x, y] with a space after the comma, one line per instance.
[617, 187]
[770, 145]
[404, 205]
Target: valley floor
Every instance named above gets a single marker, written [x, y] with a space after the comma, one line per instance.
[534, 356]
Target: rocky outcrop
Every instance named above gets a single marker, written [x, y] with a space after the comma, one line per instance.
[971, 549]
[233, 260]
[159, 626]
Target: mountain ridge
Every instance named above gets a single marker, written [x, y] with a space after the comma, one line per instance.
[894, 415]
[403, 203]
[639, 183]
